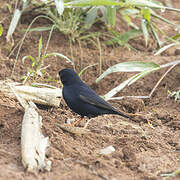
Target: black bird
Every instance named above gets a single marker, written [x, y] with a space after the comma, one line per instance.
[81, 98]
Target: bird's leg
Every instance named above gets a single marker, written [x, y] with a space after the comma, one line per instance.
[87, 123]
[77, 122]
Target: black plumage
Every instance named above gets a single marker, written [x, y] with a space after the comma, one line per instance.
[81, 98]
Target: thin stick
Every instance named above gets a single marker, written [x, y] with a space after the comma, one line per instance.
[161, 79]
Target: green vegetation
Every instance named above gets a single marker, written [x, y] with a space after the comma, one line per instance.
[76, 19]
[143, 69]
[174, 94]
[37, 67]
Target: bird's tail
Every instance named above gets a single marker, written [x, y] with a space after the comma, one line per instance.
[121, 114]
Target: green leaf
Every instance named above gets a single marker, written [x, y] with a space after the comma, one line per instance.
[28, 57]
[146, 14]
[141, 75]
[161, 18]
[115, 90]
[165, 48]
[134, 78]
[155, 35]
[111, 15]
[91, 16]
[13, 24]
[58, 54]
[145, 3]
[9, 7]
[82, 71]
[43, 28]
[145, 30]
[132, 66]
[93, 3]
[128, 82]
[127, 3]
[1, 29]
[130, 11]
[122, 39]
[39, 47]
[129, 22]
[176, 37]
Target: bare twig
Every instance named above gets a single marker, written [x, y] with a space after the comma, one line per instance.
[161, 79]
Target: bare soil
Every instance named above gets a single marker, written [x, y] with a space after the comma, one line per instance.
[141, 152]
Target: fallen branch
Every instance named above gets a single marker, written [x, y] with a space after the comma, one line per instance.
[44, 96]
[33, 143]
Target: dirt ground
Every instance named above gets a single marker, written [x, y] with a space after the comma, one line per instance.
[141, 152]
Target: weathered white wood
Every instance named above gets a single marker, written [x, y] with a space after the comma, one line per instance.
[33, 143]
[45, 96]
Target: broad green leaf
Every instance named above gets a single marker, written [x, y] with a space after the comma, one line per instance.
[127, 3]
[145, 30]
[145, 3]
[133, 66]
[151, 4]
[135, 77]
[94, 3]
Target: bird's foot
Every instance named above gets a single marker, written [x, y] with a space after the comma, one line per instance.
[76, 122]
[87, 123]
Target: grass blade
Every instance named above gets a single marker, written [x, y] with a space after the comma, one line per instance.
[122, 39]
[133, 66]
[111, 15]
[145, 31]
[39, 47]
[1, 29]
[13, 24]
[165, 47]
[59, 6]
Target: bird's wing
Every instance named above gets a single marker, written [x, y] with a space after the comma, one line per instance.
[89, 96]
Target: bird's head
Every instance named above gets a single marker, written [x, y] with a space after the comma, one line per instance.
[69, 76]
